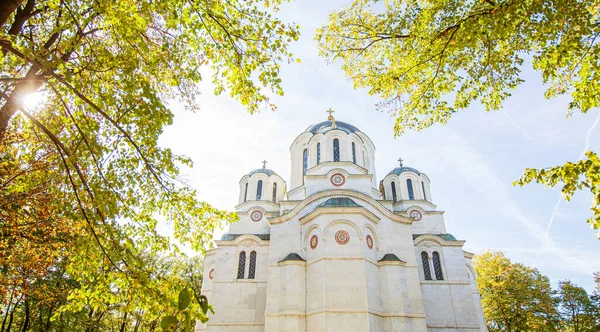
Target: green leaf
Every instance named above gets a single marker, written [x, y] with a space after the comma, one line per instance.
[169, 323]
[185, 297]
[203, 301]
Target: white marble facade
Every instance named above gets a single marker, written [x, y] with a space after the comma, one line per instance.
[339, 251]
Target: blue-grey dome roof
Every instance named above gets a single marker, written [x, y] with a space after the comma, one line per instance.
[262, 170]
[339, 201]
[402, 169]
[325, 126]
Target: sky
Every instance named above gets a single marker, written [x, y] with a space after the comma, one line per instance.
[471, 161]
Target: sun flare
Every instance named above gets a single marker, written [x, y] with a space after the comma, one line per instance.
[33, 100]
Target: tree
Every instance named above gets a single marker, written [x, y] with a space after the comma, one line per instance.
[82, 178]
[514, 297]
[46, 309]
[577, 308]
[430, 59]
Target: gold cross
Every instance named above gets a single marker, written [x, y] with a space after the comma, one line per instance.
[264, 163]
[330, 111]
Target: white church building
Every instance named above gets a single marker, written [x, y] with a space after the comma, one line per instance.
[337, 250]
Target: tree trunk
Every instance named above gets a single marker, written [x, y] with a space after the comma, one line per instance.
[10, 320]
[507, 325]
[26, 322]
[7, 308]
[48, 322]
[89, 321]
[7, 7]
[123, 323]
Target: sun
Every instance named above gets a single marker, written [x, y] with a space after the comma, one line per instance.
[33, 100]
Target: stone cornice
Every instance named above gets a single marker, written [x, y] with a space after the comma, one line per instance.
[445, 282]
[343, 193]
[285, 263]
[321, 210]
[293, 191]
[336, 164]
[437, 239]
[250, 204]
[415, 201]
[468, 255]
[344, 311]
[247, 238]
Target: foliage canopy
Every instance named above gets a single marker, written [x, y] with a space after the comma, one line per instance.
[83, 181]
[430, 59]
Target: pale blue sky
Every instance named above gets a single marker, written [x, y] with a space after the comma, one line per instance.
[471, 161]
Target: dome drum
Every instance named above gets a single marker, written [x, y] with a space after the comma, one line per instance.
[262, 184]
[326, 142]
[405, 184]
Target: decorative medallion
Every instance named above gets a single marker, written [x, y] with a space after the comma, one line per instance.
[338, 179]
[369, 241]
[256, 215]
[211, 274]
[342, 237]
[415, 214]
[314, 241]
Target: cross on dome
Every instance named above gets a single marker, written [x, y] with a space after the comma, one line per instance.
[400, 160]
[330, 111]
[331, 118]
[265, 163]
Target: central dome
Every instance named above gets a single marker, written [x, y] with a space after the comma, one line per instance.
[325, 126]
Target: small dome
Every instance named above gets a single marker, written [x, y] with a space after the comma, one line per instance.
[262, 170]
[325, 126]
[403, 169]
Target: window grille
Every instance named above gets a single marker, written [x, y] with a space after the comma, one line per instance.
[274, 192]
[242, 265]
[426, 269]
[318, 153]
[437, 266]
[394, 197]
[336, 150]
[353, 152]
[424, 194]
[252, 268]
[411, 194]
[246, 192]
[259, 190]
[304, 161]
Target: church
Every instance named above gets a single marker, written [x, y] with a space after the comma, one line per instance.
[338, 250]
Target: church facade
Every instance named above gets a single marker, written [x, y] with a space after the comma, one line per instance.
[339, 251]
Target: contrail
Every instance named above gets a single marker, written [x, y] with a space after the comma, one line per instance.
[588, 143]
[519, 127]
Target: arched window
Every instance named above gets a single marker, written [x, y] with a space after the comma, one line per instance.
[336, 149]
[411, 194]
[304, 161]
[242, 265]
[275, 192]
[424, 194]
[259, 190]
[394, 197]
[246, 192]
[318, 153]
[252, 268]
[426, 269]
[437, 266]
[353, 152]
